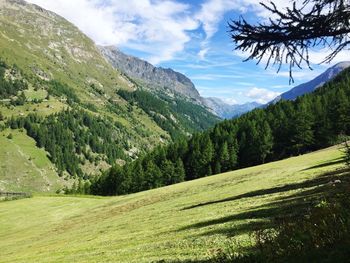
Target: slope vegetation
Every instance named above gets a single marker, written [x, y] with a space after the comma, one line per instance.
[190, 220]
[24, 167]
[48, 70]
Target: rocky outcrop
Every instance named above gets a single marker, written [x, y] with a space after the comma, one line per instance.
[149, 74]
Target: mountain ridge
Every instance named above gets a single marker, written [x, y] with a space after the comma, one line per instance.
[164, 78]
[227, 111]
[313, 84]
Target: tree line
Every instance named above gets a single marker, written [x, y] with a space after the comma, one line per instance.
[73, 137]
[287, 128]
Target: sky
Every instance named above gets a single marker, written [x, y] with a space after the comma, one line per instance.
[190, 37]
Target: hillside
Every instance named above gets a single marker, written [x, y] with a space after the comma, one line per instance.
[48, 70]
[191, 220]
[287, 128]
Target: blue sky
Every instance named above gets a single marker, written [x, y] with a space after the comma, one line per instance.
[189, 36]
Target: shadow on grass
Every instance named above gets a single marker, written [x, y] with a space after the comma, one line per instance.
[266, 216]
[323, 179]
[290, 206]
[333, 162]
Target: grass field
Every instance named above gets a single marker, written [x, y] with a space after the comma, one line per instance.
[184, 221]
[24, 167]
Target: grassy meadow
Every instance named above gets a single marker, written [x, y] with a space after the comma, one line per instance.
[24, 167]
[191, 220]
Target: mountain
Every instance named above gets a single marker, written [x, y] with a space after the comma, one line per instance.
[65, 109]
[156, 77]
[312, 85]
[227, 111]
[285, 129]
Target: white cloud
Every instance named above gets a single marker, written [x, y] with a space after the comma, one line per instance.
[202, 53]
[262, 95]
[158, 28]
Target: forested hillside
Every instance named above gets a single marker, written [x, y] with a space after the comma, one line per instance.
[58, 89]
[175, 115]
[285, 129]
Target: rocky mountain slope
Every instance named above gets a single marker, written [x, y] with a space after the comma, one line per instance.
[51, 73]
[227, 111]
[156, 77]
[312, 85]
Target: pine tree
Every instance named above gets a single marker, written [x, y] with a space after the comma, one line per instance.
[152, 175]
[206, 155]
[138, 180]
[179, 172]
[302, 137]
[217, 167]
[168, 172]
[342, 112]
[266, 141]
[224, 158]
[233, 151]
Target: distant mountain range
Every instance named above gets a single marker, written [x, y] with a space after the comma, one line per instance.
[312, 85]
[227, 111]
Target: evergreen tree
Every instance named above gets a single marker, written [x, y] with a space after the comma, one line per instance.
[302, 137]
[224, 158]
[266, 142]
[168, 170]
[152, 175]
[179, 172]
[342, 111]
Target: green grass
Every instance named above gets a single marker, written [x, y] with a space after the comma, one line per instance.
[179, 222]
[24, 167]
[32, 94]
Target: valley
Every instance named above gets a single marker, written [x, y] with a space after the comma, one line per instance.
[191, 220]
[132, 132]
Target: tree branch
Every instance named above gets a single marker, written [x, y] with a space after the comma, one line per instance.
[288, 38]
